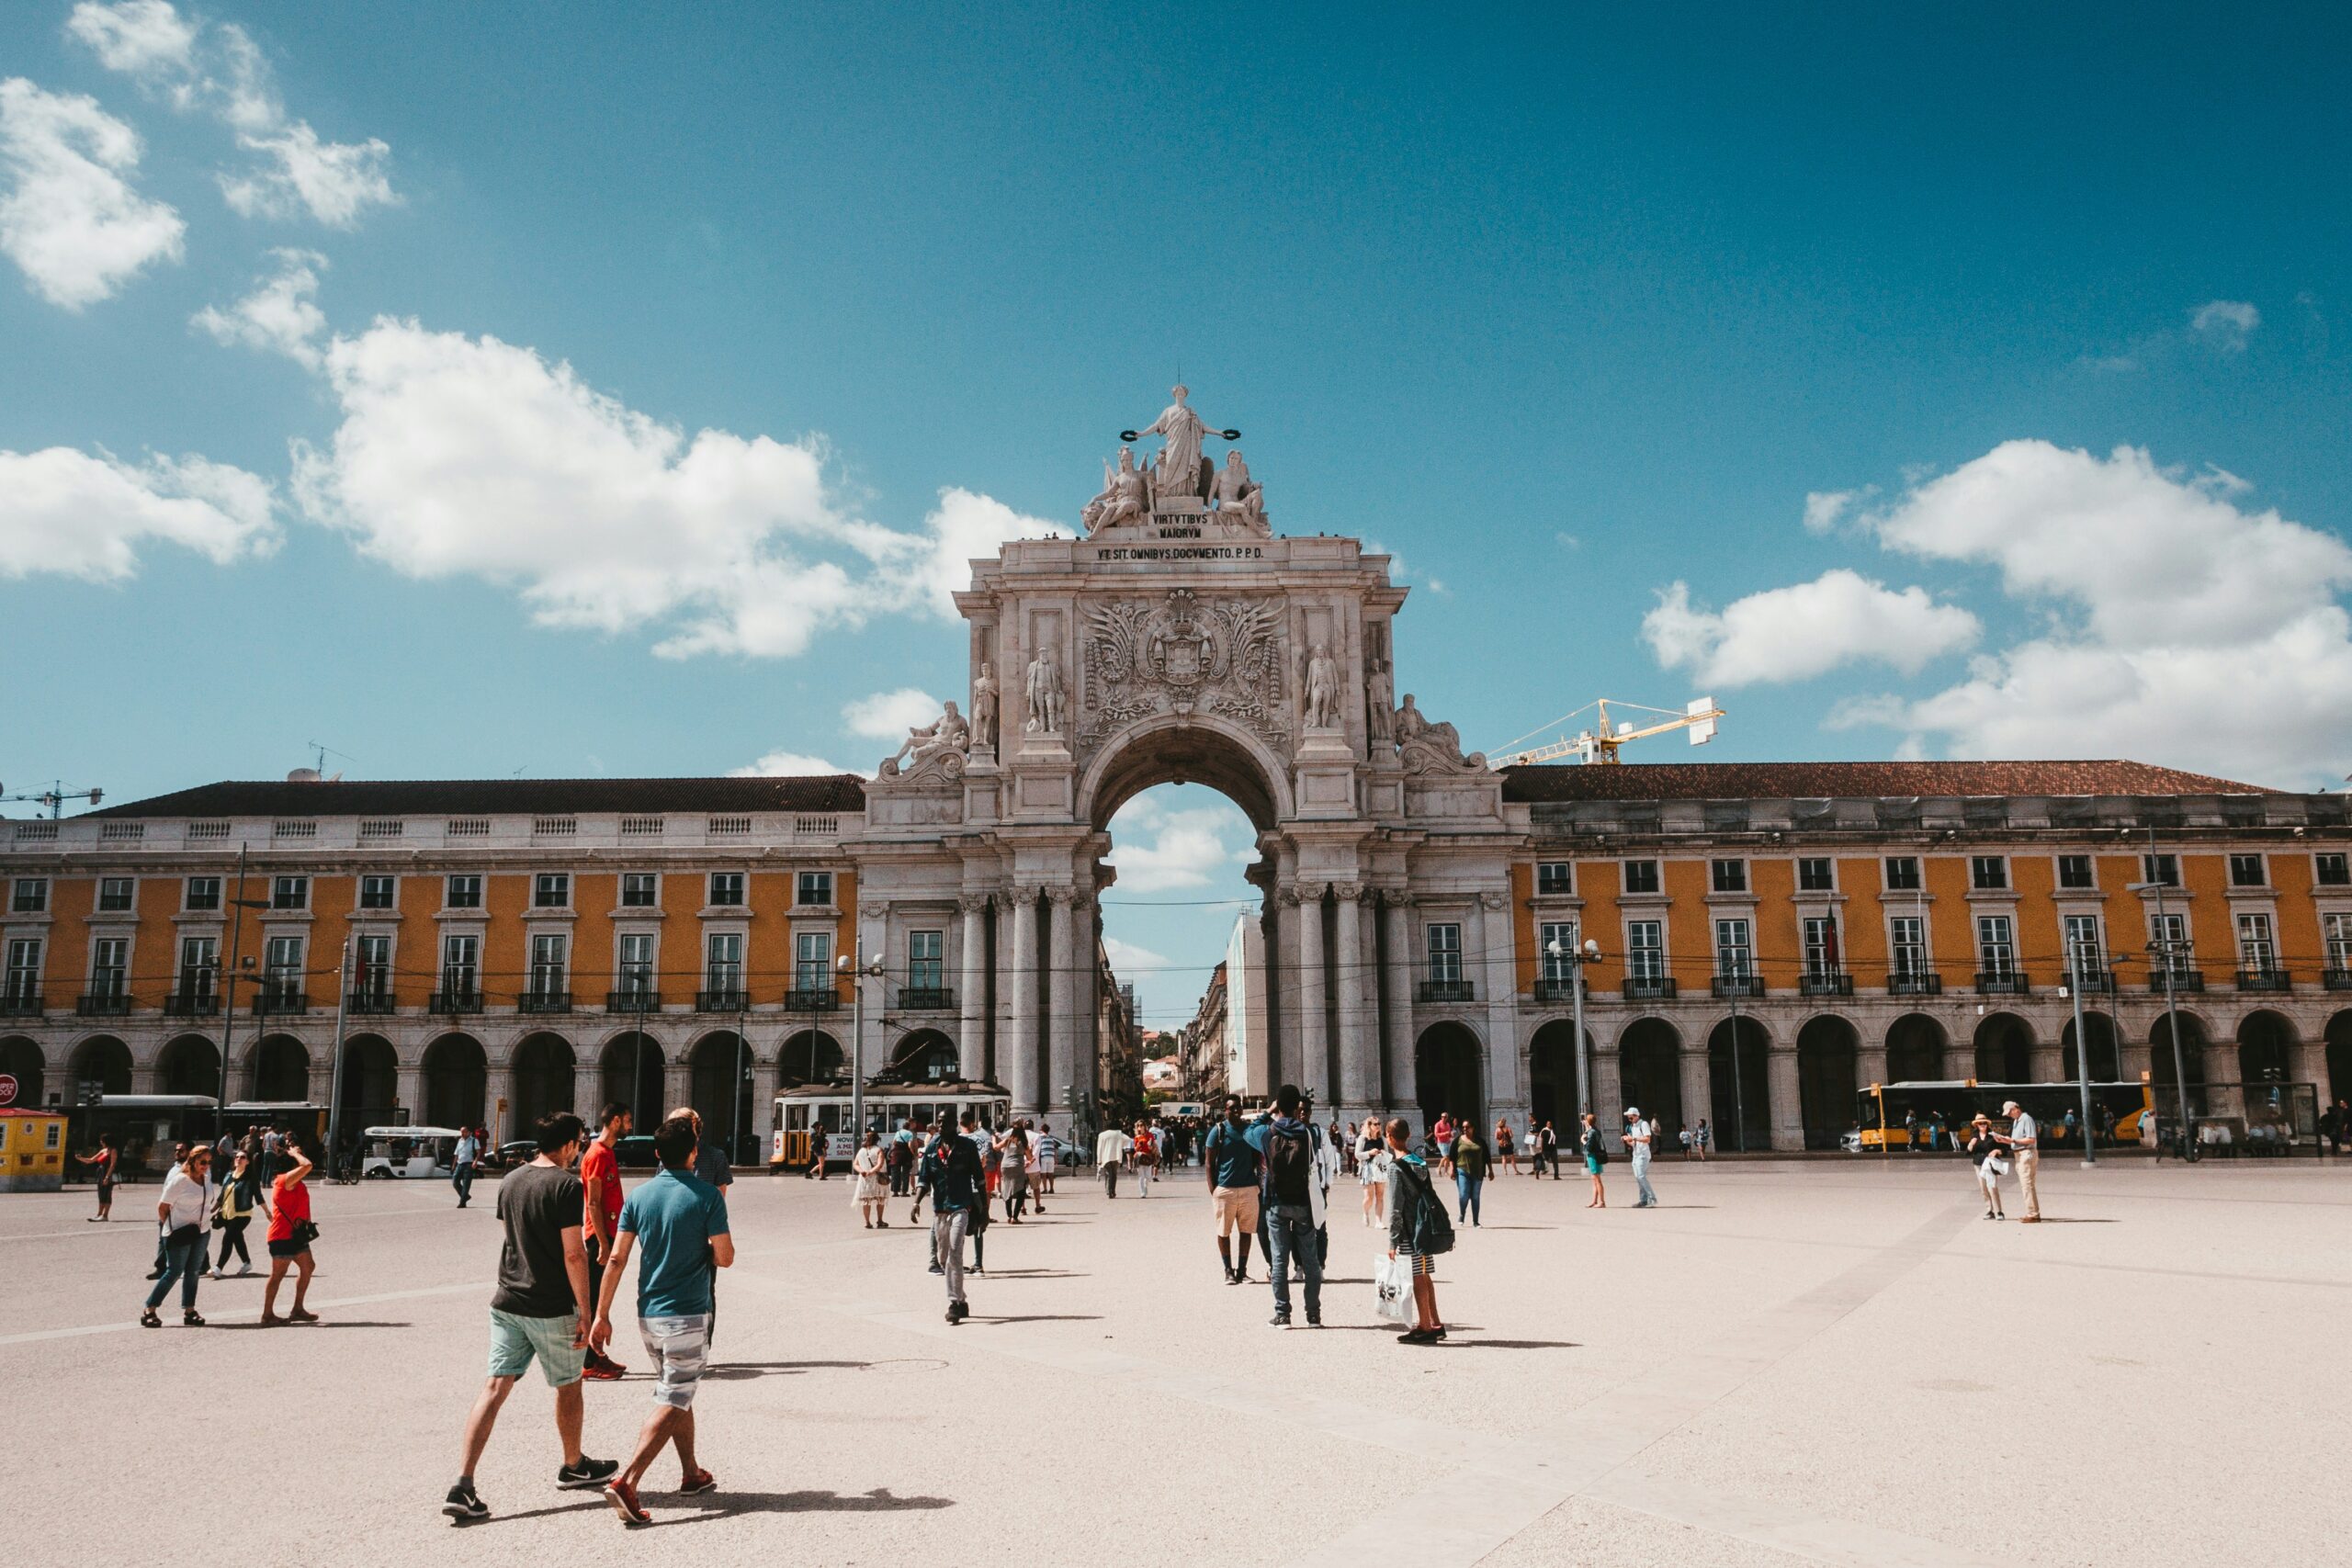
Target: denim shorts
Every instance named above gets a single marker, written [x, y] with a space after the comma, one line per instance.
[516, 1341]
[679, 1346]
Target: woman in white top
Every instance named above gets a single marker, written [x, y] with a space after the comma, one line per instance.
[1372, 1170]
[868, 1189]
[183, 1210]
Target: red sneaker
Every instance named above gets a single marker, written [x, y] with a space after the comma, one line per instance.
[700, 1480]
[602, 1369]
[623, 1498]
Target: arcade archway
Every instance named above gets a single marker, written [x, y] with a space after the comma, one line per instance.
[2004, 1049]
[1649, 1060]
[721, 1063]
[811, 1056]
[1551, 1078]
[544, 1081]
[1826, 1048]
[1448, 1075]
[925, 1056]
[2266, 1048]
[281, 1070]
[2339, 1057]
[371, 1083]
[101, 1062]
[456, 1080]
[190, 1064]
[2106, 1059]
[1743, 1084]
[629, 1073]
[1915, 1049]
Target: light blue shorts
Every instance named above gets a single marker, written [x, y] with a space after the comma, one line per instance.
[516, 1340]
[679, 1346]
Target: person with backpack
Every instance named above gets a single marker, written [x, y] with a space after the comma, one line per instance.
[1417, 1231]
[1596, 1155]
[1234, 1169]
[1292, 1198]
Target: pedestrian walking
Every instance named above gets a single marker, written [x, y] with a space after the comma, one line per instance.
[183, 1210]
[107, 1160]
[2024, 1140]
[1048, 1152]
[1372, 1169]
[1013, 1170]
[1469, 1172]
[1638, 1135]
[233, 1212]
[1547, 1150]
[902, 1158]
[866, 1190]
[1146, 1154]
[1443, 1134]
[1417, 1231]
[1292, 1196]
[978, 1136]
[1701, 1139]
[1984, 1151]
[1234, 1171]
[600, 1207]
[1506, 1146]
[678, 1223]
[1111, 1147]
[461, 1165]
[2148, 1139]
[539, 1311]
[951, 1173]
[290, 1234]
[1596, 1155]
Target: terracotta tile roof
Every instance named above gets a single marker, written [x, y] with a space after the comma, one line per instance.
[487, 797]
[1810, 781]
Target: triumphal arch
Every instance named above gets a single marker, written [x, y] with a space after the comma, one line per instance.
[1181, 638]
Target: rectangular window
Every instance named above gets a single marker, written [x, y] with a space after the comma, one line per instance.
[548, 966]
[1735, 957]
[1730, 876]
[1552, 877]
[1987, 874]
[1902, 873]
[2169, 932]
[203, 893]
[2247, 871]
[290, 893]
[927, 961]
[1821, 954]
[282, 968]
[22, 979]
[461, 963]
[638, 890]
[110, 966]
[200, 967]
[551, 890]
[813, 961]
[2074, 871]
[114, 894]
[813, 888]
[378, 892]
[1555, 940]
[1997, 951]
[723, 967]
[1816, 874]
[30, 896]
[1446, 952]
[2162, 870]
[1641, 877]
[637, 963]
[2086, 944]
[2339, 942]
[464, 893]
[727, 888]
[1644, 950]
[1908, 946]
[372, 977]
[2332, 871]
[2256, 950]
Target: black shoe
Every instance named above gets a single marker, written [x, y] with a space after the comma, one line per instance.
[464, 1503]
[1280, 1320]
[1313, 1322]
[154, 1274]
[1417, 1336]
[935, 1269]
[588, 1472]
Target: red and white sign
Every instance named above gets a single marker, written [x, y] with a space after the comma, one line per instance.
[8, 1089]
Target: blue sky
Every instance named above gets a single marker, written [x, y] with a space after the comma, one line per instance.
[2040, 318]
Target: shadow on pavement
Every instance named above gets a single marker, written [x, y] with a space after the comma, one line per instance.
[328, 1323]
[1040, 1317]
[730, 1371]
[721, 1504]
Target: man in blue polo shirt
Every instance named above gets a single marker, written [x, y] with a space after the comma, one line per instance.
[1234, 1165]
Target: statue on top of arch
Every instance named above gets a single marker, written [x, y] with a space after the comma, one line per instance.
[1180, 478]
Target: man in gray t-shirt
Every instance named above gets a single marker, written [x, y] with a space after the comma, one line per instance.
[2024, 1139]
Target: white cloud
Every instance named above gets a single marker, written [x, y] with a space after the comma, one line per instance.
[470, 456]
[278, 316]
[2183, 628]
[888, 715]
[787, 765]
[1130, 959]
[1159, 849]
[69, 217]
[218, 69]
[1808, 629]
[66, 512]
[1823, 508]
[2224, 325]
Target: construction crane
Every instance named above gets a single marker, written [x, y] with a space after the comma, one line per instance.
[56, 796]
[1601, 742]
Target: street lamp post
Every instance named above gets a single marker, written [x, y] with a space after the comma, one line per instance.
[856, 971]
[2161, 950]
[335, 1071]
[238, 906]
[1575, 954]
[2082, 1046]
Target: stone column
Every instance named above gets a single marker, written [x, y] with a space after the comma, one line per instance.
[1001, 1009]
[1608, 1102]
[410, 1075]
[1788, 1111]
[678, 1088]
[1084, 1023]
[500, 1084]
[1017, 1058]
[1311, 1067]
[1061, 1007]
[1504, 1092]
[1397, 986]
[971, 1043]
[1699, 1090]
[1359, 1050]
[1869, 1063]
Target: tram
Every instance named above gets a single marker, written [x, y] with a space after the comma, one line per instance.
[813, 1120]
[1940, 1111]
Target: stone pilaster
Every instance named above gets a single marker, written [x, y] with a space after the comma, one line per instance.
[1017, 1061]
[971, 1043]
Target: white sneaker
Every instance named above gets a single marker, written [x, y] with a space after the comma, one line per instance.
[214, 1274]
[245, 1271]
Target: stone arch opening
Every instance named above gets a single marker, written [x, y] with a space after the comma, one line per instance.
[722, 1062]
[2266, 1048]
[22, 1060]
[1649, 1062]
[2106, 1059]
[371, 1083]
[811, 1056]
[1448, 1074]
[1741, 1088]
[1827, 1047]
[103, 1061]
[545, 1081]
[2004, 1049]
[1186, 748]
[457, 1079]
[630, 1070]
[925, 1055]
[1552, 1077]
[281, 1070]
[2339, 1058]
[189, 1064]
[1915, 1049]
[2163, 1080]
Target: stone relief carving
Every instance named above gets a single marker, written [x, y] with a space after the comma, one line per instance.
[935, 750]
[1431, 747]
[1181, 654]
[1044, 689]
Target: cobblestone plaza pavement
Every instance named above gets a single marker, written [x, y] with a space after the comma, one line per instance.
[1819, 1362]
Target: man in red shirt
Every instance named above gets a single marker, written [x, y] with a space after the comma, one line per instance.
[600, 1219]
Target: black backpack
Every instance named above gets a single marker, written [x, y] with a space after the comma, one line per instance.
[1290, 1167]
[1433, 1228]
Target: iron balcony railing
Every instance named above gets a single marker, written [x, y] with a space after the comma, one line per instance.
[2001, 983]
[2096, 982]
[280, 1001]
[373, 1000]
[1649, 988]
[25, 1003]
[1555, 990]
[2337, 979]
[1915, 983]
[2264, 980]
[1828, 983]
[110, 1002]
[543, 998]
[726, 999]
[2182, 980]
[1736, 985]
[1445, 991]
[192, 1002]
[456, 1000]
[643, 998]
[926, 998]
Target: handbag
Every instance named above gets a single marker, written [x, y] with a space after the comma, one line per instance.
[1392, 1284]
[1996, 1165]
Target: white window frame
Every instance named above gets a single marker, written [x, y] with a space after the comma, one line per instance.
[1997, 945]
[2000, 865]
[371, 972]
[648, 883]
[550, 971]
[461, 965]
[1442, 944]
[187, 896]
[1656, 873]
[129, 895]
[812, 970]
[723, 973]
[1825, 954]
[20, 974]
[636, 964]
[2261, 865]
[2090, 867]
[934, 977]
[2257, 941]
[806, 881]
[1566, 878]
[1645, 960]
[1918, 873]
[284, 965]
[740, 884]
[1907, 946]
[473, 886]
[198, 976]
[544, 883]
[2336, 928]
[110, 966]
[289, 895]
[28, 895]
[1829, 860]
[392, 891]
[2177, 952]
[2079, 932]
[1738, 868]
[1734, 947]
[1558, 970]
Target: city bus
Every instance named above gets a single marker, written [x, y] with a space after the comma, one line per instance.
[145, 1126]
[1939, 1109]
[816, 1116]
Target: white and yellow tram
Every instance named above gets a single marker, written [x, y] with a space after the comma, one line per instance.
[815, 1117]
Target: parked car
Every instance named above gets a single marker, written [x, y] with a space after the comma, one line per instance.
[514, 1153]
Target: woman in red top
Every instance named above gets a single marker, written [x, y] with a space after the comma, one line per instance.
[290, 1231]
[106, 1159]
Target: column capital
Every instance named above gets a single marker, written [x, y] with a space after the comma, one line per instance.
[1026, 895]
[1397, 898]
[1062, 896]
[1493, 900]
[1347, 892]
[1304, 893]
[973, 903]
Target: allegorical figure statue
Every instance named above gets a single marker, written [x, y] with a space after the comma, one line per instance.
[1126, 495]
[1322, 689]
[947, 733]
[1043, 690]
[984, 707]
[1239, 498]
[1177, 470]
[1379, 693]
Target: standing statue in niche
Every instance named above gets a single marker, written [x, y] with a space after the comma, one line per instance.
[1125, 498]
[1322, 689]
[984, 707]
[1239, 498]
[1177, 471]
[1043, 690]
[1379, 695]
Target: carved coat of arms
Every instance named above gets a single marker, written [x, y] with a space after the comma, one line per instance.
[1182, 654]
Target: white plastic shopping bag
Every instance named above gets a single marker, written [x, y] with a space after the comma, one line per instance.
[1392, 1281]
